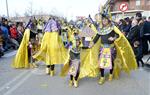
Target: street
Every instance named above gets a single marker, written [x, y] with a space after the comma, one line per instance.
[36, 82]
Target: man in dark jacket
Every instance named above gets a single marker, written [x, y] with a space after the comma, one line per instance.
[134, 39]
[146, 37]
[144, 32]
[134, 33]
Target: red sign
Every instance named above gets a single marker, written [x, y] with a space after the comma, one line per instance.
[123, 7]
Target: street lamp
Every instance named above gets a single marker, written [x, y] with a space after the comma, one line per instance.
[7, 9]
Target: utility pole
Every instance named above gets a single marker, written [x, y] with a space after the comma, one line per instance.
[7, 9]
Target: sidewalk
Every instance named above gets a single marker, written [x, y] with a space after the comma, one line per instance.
[146, 59]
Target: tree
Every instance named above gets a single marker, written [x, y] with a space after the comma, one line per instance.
[26, 14]
[16, 14]
[29, 10]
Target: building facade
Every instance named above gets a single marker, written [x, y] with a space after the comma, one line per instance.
[134, 6]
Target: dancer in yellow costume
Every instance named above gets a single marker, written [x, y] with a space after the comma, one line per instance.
[72, 65]
[111, 51]
[52, 50]
[23, 58]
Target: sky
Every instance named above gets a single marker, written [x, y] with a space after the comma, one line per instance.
[66, 8]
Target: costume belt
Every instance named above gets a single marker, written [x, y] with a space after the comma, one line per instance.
[107, 45]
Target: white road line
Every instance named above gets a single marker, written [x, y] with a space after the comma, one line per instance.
[38, 71]
[12, 81]
[9, 92]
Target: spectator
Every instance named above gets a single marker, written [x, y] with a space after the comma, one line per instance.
[134, 39]
[13, 32]
[14, 36]
[1, 43]
[140, 21]
[149, 19]
[5, 23]
[122, 26]
[1, 38]
[146, 36]
[20, 30]
[8, 42]
[144, 18]
[137, 52]
[131, 18]
[144, 32]
[134, 33]
[5, 33]
[128, 25]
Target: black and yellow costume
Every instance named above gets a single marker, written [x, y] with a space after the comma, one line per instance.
[123, 57]
[124, 53]
[72, 66]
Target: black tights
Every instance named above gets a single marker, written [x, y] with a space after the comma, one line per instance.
[51, 67]
[111, 70]
[76, 77]
[140, 60]
[30, 58]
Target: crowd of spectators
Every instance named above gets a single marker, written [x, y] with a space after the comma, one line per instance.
[11, 34]
[137, 31]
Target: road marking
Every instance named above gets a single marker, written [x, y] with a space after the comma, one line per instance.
[9, 92]
[38, 71]
[12, 81]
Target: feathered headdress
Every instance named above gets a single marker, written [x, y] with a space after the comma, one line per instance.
[30, 25]
[105, 10]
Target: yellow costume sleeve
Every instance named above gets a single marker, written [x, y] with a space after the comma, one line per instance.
[125, 59]
[21, 58]
[65, 69]
[89, 61]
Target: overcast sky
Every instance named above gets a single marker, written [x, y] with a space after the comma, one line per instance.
[68, 8]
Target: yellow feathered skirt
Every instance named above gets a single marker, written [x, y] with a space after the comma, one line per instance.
[52, 50]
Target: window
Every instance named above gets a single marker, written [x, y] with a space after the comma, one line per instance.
[148, 2]
[138, 2]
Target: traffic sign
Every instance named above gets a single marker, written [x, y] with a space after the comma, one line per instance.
[123, 7]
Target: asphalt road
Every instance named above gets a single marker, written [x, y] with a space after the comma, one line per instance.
[36, 82]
